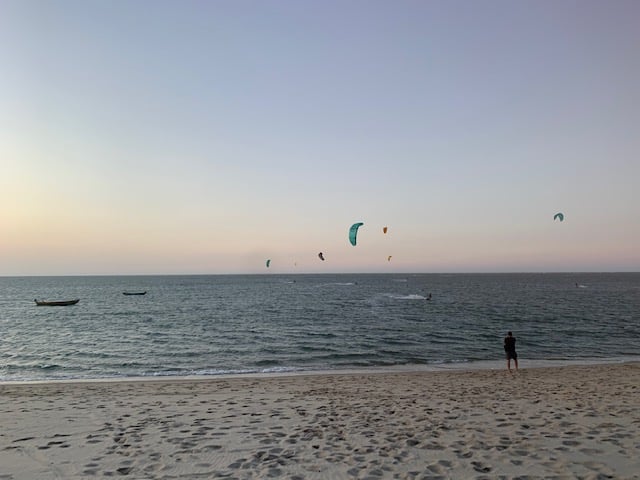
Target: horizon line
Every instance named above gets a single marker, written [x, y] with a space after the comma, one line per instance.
[523, 272]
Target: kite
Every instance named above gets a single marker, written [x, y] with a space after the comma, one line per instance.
[559, 216]
[321, 256]
[353, 232]
[384, 229]
[389, 258]
[268, 263]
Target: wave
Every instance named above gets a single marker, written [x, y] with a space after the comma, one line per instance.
[412, 296]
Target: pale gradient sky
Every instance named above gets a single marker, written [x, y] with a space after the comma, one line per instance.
[152, 137]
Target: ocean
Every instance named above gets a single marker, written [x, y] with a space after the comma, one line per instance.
[203, 325]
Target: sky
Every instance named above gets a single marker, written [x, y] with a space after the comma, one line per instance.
[205, 137]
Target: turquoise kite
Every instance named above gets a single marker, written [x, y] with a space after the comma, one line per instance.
[559, 216]
[268, 263]
[353, 232]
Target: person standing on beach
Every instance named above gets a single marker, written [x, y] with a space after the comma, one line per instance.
[510, 350]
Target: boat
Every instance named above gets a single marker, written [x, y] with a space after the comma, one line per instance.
[134, 293]
[61, 303]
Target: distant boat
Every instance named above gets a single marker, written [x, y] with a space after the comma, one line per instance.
[62, 303]
[134, 293]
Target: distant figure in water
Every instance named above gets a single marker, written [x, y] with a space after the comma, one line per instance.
[429, 298]
[510, 350]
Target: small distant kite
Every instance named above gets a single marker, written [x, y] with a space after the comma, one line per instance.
[389, 258]
[321, 256]
[384, 229]
[353, 232]
[268, 263]
[559, 216]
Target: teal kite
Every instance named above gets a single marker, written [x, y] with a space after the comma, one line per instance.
[268, 263]
[559, 216]
[353, 232]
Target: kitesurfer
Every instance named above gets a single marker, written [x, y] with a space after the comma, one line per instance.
[510, 350]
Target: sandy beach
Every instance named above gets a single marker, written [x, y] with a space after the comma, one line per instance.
[569, 422]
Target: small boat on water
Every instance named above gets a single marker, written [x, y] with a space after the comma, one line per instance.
[134, 293]
[61, 303]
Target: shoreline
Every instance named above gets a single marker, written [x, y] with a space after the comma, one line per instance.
[430, 368]
[568, 422]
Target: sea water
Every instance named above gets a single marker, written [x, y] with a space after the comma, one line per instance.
[240, 324]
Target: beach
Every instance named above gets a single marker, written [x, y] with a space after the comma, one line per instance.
[567, 422]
